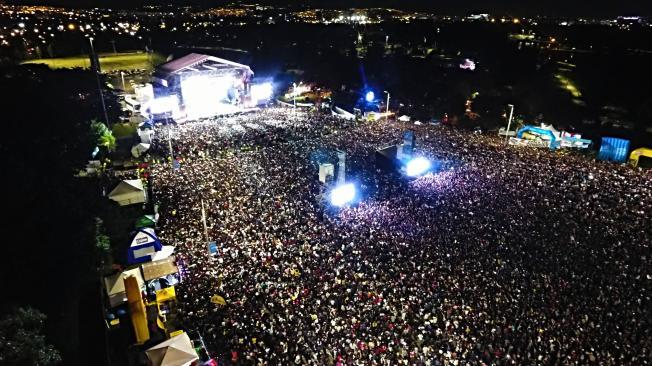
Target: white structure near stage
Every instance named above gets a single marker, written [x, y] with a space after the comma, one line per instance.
[326, 172]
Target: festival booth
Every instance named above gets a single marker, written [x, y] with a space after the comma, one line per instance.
[176, 351]
[129, 192]
[636, 155]
[613, 149]
[115, 286]
[144, 246]
[548, 136]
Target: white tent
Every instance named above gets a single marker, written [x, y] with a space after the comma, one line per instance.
[138, 150]
[165, 252]
[176, 351]
[551, 129]
[145, 135]
[115, 285]
[128, 192]
[339, 112]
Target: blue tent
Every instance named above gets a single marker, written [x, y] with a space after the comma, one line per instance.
[614, 149]
[144, 244]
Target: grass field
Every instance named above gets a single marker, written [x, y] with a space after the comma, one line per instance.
[108, 62]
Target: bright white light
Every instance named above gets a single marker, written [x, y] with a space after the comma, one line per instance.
[203, 96]
[370, 96]
[164, 105]
[468, 65]
[261, 92]
[417, 166]
[343, 194]
[300, 89]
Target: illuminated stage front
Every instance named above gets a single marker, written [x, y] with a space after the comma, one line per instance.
[198, 86]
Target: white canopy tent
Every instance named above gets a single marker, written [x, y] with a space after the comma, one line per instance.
[115, 285]
[128, 192]
[176, 351]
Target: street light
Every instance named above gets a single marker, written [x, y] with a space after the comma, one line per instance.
[122, 76]
[95, 65]
[509, 122]
[387, 109]
[294, 94]
[203, 219]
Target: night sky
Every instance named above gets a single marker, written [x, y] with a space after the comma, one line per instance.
[516, 7]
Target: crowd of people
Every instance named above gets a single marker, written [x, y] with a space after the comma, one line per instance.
[506, 256]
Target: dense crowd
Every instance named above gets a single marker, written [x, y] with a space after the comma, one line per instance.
[505, 256]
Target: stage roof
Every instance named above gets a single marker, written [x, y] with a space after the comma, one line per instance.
[195, 62]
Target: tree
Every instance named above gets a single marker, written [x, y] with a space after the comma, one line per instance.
[51, 211]
[22, 341]
[103, 135]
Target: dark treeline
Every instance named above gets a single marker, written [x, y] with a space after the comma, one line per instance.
[48, 227]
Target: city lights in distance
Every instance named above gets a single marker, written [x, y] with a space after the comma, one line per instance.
[343, 195]
[417, 166]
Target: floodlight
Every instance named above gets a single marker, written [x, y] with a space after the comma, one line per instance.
[417, 166]
[370, 96]
[343, 194]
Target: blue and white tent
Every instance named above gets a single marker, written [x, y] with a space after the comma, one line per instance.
[144, 245]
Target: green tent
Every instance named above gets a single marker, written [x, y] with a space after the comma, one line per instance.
[146, 221]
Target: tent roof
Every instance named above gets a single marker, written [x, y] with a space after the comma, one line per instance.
[145, 220]
[144, 235]
[115, 285]
[641, 151]
[176, 351]
[195, 61]
[126, 187]
[165, 252]
[159, 268]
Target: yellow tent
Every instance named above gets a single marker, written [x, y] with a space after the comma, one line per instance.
[636, 154]
[218, 300]
[166, 294]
